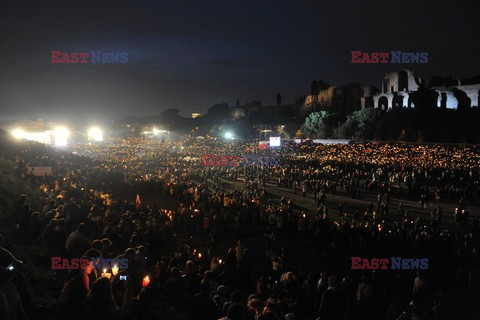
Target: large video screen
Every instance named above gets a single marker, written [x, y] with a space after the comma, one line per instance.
[275, 142]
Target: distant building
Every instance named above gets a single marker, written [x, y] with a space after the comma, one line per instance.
[367, 100]
[395, 90]
[398, 87]
[345, 99]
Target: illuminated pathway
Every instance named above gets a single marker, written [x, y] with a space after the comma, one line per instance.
[361, 204]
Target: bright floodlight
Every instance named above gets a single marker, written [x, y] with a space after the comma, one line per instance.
[61, 136]
[156, 131]
[228, 135]
[18, 133]
[95, 134]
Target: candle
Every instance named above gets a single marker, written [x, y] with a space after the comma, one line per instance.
[199, 255]
[115, 270]
[145, 281]
[105, 274]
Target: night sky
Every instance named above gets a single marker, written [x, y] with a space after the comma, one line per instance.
[192, 54]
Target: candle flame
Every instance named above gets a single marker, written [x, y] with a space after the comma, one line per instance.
[115, 270]
[145, 281]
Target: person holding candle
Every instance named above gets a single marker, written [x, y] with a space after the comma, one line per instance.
[100, 302]
[75, 289]
[119, 287]
[214, 264]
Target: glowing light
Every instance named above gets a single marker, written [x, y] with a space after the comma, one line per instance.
[95, 134]
[61, 136]
[115, 270]
[145, 281]
[18, 133]
[228, 135]
[42, 137]
[106, 274]
[157, 131]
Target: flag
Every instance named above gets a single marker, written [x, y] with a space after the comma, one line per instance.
[138, 203]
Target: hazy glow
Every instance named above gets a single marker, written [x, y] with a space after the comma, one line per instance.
[95, 134]
[157, 131]
[18, 133]
[61, 136]
[42, 137]
[228, 135]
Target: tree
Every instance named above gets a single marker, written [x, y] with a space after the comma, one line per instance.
[290, 129]
[348, 129]
[361, 124]
[317, 123]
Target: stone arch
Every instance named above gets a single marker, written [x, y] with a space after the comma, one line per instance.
[397, 101]
[411, 103]
[383, 103]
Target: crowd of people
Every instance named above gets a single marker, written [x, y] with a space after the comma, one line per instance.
[435, 171]
[241, 253]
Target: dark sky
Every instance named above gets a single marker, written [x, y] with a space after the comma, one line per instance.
[193, 54]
